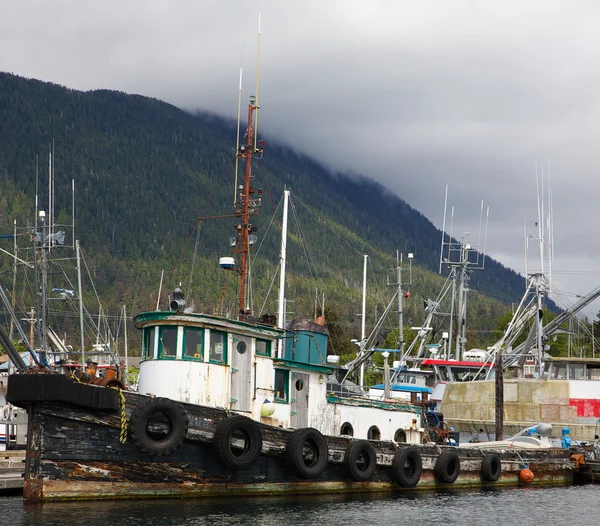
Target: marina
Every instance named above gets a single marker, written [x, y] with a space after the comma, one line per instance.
[472, 395]
[246, 405]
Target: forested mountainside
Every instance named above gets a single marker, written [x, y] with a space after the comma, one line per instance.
[144, 172]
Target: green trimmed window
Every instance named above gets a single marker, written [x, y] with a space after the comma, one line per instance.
[148, 343]
[282, 386]
[193, 344]
[217, 352]
[263, 347]
[167, 343]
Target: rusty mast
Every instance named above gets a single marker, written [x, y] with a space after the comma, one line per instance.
[246, 205]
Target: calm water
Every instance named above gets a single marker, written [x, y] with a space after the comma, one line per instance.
[564, 506]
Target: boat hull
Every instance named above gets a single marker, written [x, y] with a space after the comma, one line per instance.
[74, 453]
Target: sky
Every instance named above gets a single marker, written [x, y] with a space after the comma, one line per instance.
[476, 96]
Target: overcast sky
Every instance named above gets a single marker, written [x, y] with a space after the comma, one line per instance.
[416, 95]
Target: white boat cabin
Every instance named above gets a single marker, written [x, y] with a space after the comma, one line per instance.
[236, 365]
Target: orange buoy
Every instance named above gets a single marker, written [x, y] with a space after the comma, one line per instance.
[526, 476]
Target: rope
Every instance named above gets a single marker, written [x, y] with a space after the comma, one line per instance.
[123, 434]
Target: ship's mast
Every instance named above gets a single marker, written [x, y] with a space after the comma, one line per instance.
[246, 206]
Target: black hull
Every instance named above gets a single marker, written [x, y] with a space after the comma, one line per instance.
[74, 452]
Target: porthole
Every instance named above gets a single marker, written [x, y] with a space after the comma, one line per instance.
[299, 384]
[241, 347]
[374, 433]
[400, 435]
[347, 429]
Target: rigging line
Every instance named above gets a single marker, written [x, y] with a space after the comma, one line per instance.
[379, 293]
[187, 242]
[89, 275]
[264, 172]
[263, 237]
[223, 289]
[275, 274]
[189, 290]
[94, 326]
[324, 222]
[302, 242]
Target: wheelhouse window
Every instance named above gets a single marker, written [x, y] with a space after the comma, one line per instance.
[282, 386]
[263, 347]
[576, 371]
[218, 347]
[167, 343]
[193, 344]
[148, 343]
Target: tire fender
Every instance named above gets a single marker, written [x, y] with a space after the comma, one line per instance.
[491, 468]
[177, 422]
[360, 460]
[406, 467]
[447, 467]
[240, 429]
[311, 440]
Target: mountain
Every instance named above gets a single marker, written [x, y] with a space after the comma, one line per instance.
[144, 172]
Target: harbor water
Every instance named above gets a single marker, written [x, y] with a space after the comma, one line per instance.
[578, 505]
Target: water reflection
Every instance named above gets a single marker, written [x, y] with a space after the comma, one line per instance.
[515, 506]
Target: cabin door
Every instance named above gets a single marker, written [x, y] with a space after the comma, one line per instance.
[241, 374]
[299, 400]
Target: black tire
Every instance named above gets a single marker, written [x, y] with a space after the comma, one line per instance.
[360, 460]
[240, 429]
[307, 452]
[153, 414]
[491, 468]
[406, 467]
[447, 467]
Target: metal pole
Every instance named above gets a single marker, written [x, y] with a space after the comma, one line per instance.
[80, 304]
[126, 355]
[364, 315]
[499, 398]
[400, 307]
[281, 306]
[14, 287]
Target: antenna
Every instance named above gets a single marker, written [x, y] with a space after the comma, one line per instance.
[257, 75]
[237, 140]
[526, 246]
[550, 229]
[37, 176]
[50, 199]
[73, 201]
[443, 230]
[539, 221]
[487, 219]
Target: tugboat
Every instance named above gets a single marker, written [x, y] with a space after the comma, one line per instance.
[238, 407]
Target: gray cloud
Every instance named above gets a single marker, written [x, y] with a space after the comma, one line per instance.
[415, 95]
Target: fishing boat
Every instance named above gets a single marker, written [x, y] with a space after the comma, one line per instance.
[563, 391]
[240, 405]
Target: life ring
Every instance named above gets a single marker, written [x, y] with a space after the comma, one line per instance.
[6, 412]
[310, 441]
[360, 460]
[491, 468]
[233, 432]
[447, 467]
[158, 412]
[406, 467]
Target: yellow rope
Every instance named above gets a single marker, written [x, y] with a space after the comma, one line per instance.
[123, 434]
